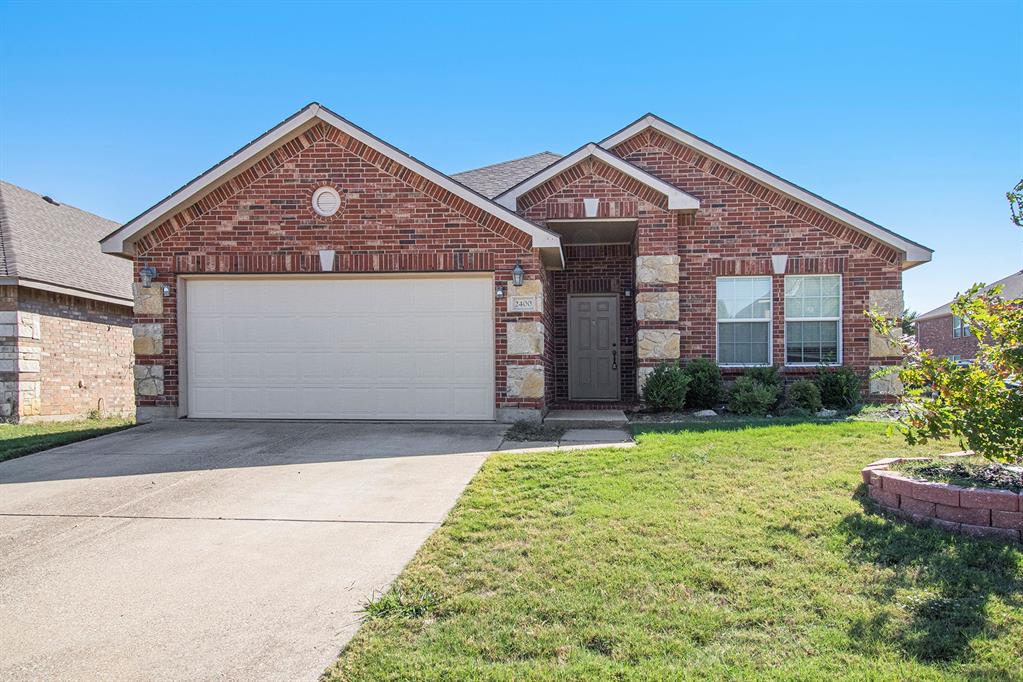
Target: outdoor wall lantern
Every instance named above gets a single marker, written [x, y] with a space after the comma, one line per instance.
[166, 290]
[517, 274]
[500, 291]
[148, 274]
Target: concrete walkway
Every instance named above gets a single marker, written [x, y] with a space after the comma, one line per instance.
[215, 550]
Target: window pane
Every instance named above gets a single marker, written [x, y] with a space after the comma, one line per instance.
[813, 296]
[831, 307]
[743, 343]
[811, 342]
[744, 298]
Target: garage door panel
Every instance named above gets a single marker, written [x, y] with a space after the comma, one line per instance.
[341, 349]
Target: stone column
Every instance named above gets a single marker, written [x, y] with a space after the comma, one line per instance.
[883, 353]
[524, 350]
[657, 333]
[148, 342]
[19, 360]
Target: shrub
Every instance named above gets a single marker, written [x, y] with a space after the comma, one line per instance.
[840, 388]
[665, 388]
[768, 376]
[751, 397]
[804, 395]
[704, 384]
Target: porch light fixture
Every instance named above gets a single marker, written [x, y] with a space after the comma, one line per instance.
[148, 274]
[166, 290]
[500, 292]
[517, 274]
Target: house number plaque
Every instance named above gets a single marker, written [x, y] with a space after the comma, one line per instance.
[523, 304]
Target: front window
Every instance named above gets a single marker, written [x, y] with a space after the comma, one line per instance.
[744, 320]
[813, 319]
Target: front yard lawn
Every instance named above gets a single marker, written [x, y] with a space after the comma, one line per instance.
[717, 551]
[24, 439]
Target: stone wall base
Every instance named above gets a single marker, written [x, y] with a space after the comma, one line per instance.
[510, 415]
[155, 413]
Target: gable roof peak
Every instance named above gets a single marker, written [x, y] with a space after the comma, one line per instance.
[677, 199]
[914, 253]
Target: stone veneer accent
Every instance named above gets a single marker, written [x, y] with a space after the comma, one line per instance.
[884, 381]
[657, 270]
[889, 303]
[148, 338]
[658, 344]
[981, 512]
[525, 381]
[147, 301]
[525, 338]
[148, 379]
[657, 305]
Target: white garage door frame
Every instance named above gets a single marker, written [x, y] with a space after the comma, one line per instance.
[183, 282]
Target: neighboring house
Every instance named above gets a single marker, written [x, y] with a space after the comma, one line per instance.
[65, 313]
[945, 334]
[321, 273]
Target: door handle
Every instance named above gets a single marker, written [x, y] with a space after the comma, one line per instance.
[614, 359]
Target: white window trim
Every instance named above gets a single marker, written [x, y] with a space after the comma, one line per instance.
[786, 320]
[769, 320]
[962, 329]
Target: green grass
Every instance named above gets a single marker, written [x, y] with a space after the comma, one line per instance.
[718, 551]
[17, 440]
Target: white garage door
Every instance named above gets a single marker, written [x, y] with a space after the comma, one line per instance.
[373, 348]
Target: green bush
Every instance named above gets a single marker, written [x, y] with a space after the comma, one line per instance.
[768, 376]
[704, 384]
[665, 388]
[804, 394]
[840, 388]
[751, 397]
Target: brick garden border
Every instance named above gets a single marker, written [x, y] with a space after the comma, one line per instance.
[980, 512]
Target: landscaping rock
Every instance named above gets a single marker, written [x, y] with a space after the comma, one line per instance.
[827, 414]
[705, 413]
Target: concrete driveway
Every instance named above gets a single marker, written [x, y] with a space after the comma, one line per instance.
[215, 550]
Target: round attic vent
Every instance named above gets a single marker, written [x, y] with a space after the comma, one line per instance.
[326, 201]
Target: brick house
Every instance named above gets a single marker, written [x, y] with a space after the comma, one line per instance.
[65, 313]
[944, 334]
[321, 273]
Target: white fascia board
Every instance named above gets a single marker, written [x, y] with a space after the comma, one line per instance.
[915, 253]
[677, 199]
[115, 242]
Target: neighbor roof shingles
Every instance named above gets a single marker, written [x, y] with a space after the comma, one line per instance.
[495, 179]
[58, 244]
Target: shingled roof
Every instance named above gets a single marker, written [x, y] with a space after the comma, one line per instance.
[496, 178]
[57, 246]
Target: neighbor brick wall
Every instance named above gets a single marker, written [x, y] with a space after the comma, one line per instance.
[393, 221]
[73, 356]
[737, 229]
[935, 335]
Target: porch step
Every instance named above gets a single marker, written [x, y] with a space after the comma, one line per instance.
[587, 419]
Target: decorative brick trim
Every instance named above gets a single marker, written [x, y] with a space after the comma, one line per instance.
[256, 263]
[763, 266]
[599, 169]
[324, 133]
[741, 181]
[980, 512]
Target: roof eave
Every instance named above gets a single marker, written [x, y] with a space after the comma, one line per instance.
[913, 253]
[120, 241]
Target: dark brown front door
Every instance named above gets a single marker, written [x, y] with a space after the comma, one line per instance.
[593, 353]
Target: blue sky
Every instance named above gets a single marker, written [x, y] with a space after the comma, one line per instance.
[909, 114]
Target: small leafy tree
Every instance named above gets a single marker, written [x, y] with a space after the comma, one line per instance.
[980, 404]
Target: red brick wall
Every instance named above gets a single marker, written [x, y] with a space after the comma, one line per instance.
[392, 221]
[590, 270]
[737, 229]
[935, 335]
